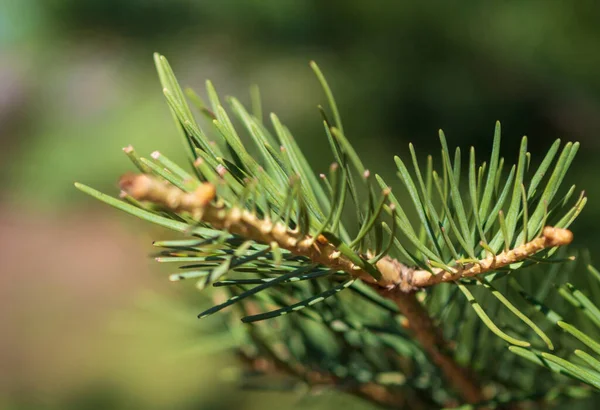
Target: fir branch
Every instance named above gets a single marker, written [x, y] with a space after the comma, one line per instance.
[397, 281]
[244, 223]
[272, 216]
[322, 251]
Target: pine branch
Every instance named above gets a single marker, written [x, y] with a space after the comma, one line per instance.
[390, 273]
[396, 282]
[272, 216]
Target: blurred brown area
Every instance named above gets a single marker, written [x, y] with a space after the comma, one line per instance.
[83, 321]
[86, 318]
[61, 276]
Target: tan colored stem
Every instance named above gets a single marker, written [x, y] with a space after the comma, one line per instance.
[246, 224]
[237, 221]
[550, 238]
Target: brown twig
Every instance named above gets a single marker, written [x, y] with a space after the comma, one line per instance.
[276, 359]
[246, 224]
[550, 238]
[370, 391]
[433, 342]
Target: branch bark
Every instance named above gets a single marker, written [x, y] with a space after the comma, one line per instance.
[431, 339]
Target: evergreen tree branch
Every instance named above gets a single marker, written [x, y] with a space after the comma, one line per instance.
[397, 282]
[321, 250]
[272, 217]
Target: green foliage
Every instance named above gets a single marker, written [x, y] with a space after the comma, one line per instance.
[572, 362]
[341, 326]
[551, 335]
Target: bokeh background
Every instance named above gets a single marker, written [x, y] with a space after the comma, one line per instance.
[87, 320]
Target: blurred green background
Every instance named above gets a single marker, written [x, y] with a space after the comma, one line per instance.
[87, 320]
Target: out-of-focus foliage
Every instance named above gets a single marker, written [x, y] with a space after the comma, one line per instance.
[76, 84]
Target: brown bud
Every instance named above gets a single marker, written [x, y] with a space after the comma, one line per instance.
[557, 236]
[136, 185]
[205, 193]
[322, 240]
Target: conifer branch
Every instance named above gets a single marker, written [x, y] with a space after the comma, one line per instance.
[272, 217]
[239, 221]
[199, 203]
[397, 282]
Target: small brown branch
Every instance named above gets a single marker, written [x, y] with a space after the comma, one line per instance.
[237, 221]
[246, 224]
[431, 339]
[550, 238]
[276, 359]
[369, 391]
[398, 282]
